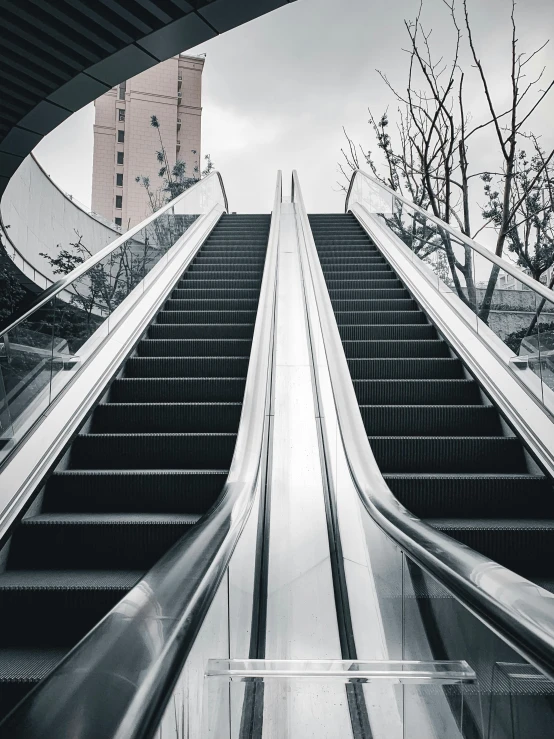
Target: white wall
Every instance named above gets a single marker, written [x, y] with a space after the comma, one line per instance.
[40, 217]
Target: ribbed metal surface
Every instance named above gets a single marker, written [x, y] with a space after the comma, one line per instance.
[152, 461]
[442, 450]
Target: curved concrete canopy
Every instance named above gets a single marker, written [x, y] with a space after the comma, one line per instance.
[58, 55]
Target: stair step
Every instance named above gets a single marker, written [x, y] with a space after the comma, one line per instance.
[448, 454]
[411, 368]
[178, 390]
[133, 491]
[374, 304]
[225, 283]
[379, 317]
[417, 392]
[152, 450]
[70, 603]
[115, 541]
[215, 294]
[194, 348]
[22, 668]
[526, 546]
[372, 332]
[473, 496]
[186, 367]
[207, 316]
[431, 420]
[210, 304]
[400, 348]
[201, 331]
[397, 293]
[166, 417]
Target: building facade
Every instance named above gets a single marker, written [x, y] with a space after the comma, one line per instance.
[125, 143]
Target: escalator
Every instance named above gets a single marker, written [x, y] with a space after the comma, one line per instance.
[149, 462]
[442, 447]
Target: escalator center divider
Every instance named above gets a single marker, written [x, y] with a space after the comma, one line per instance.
[153, 459]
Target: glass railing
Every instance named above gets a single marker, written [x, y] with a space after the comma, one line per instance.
[499, 299]
[43, 347]
[300, 697]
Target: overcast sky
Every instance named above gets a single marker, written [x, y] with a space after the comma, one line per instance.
[277, 91]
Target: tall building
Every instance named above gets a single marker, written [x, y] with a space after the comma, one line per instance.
[125, 143]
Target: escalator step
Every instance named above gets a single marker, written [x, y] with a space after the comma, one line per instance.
[207, 316]
[417, 392]
[178, 390]
[473, 496]
[194, 348]
[187, 367]
[425, 348]
[526, 546]
[453, 454]
[431, 420]
[368, 294]
[375, 304]
[166, 417]
[70, 604]
[201, 331]
[220, 304]
[376, 317]
[23, 668]
[133, 491]
[114, 541]
[406, 369]
[152, 450]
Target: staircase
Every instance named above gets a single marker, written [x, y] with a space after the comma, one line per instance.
[151, 460]
[441, 446]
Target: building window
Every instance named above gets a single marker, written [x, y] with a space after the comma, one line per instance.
[119, 201]
[118, 221]
[120, 137]
[122, 90]
[120, 157]
[121, 114]
[119, 179]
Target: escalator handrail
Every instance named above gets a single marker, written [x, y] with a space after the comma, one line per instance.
[64, 282]
[504, 264]
[520, 612]
[126, 668]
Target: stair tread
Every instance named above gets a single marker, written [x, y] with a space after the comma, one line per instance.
[110, 518]
[69, 579]
[28, 665]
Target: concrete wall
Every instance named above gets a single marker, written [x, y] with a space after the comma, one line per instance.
[40, 217]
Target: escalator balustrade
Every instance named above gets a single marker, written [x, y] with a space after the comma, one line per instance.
[150, 461]
[439, 443]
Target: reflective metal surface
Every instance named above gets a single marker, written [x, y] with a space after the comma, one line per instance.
[520, 612]
[118, 680]
[301, 615]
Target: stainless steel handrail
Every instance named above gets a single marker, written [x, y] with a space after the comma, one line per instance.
[506, 266]
[117, 681]
[521, 613]
[63, 283]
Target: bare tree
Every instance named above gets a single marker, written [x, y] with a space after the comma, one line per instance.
[429, 162]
